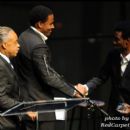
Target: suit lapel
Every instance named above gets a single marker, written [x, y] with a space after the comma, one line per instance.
[7, 64]
[127, 70]
[47, 49]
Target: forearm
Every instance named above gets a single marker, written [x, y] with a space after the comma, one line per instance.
[6, 102]
[94, 82]
[48, 74]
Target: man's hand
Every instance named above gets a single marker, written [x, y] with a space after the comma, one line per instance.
[82, 89]
[32, 115]
[124, 109]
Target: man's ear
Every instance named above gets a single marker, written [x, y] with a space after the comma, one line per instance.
[4, 45]
[39, 24]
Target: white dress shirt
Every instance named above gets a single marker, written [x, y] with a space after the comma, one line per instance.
[124, 62]
[44, 38]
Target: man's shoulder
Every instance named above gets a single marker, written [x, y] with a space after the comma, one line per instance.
[27, 32]
[113, 55]
[29, 40]
[29, 36]
[114, 51]
[2, 63]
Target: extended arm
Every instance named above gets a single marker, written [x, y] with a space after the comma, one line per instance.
[47, 73]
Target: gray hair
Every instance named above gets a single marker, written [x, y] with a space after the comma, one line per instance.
[4, 33]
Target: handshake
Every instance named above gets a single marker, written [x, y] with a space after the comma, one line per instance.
[82, 90]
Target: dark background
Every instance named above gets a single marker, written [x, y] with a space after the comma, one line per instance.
[79, 44]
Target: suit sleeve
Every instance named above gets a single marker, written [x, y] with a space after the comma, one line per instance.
[47, 73]
[102, 76]
[5, 100]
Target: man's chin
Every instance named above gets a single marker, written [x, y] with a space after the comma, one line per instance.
[14, 55]
[48, 33]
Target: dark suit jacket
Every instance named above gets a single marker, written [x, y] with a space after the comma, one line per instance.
[120, 84]
[9, 93]
[33, 66]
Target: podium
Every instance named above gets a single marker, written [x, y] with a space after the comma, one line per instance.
[45, 106]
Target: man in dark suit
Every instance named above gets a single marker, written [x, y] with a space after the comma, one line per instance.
[33, 64]
[116, 67]
[9, 90]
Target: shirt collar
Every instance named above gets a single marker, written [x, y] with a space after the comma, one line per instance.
[126, 58]
[5, 57]
[39, 33]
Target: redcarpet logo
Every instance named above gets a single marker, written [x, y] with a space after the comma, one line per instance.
[118, 122]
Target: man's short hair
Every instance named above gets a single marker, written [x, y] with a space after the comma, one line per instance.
[39, 13]
[4, 33]
[124, 27]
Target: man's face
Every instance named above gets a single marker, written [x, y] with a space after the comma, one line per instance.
[119, 41]
[48, 26]
[11, 45]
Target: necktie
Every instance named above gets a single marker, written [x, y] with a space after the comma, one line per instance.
[11, 65]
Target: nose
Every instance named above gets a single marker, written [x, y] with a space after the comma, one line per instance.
[53, 26]
[18, 45]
